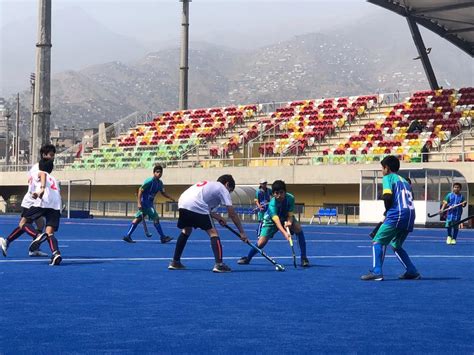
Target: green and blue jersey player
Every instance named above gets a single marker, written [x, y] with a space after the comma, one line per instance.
[279, 216]
[262, 198]
[399, 222]
[145, 202]
[454, 215]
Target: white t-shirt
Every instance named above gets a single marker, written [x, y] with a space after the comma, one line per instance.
[28, 201]
[52, 194]
[204, 196]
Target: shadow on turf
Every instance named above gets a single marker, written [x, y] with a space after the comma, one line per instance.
[425, 279]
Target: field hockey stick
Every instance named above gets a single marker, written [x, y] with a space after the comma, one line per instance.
[292, 247]
[456, 223]
[278, 267]
[145, 228]
[375, 230]
[257, 209]
[445, 210]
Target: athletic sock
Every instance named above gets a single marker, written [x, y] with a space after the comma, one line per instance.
[252, 253]
[53, 243]
[377, 252]
[405, 260]
[450, 231]
[15, 234]
[30, 230]
[180, 244]
[216, 249]
[132, 228]
[455, 232]
[159, 230]
[302, 243]
[259, 227]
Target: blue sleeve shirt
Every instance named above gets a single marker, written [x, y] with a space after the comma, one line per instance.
[402, 213]
[150, 187]
[453, 199]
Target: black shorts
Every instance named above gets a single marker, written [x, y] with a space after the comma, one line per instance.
[24, 211]
[52, 216]
[192, 219]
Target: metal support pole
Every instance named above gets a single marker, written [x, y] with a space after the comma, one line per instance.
[42, 113]
[7, 139]
[32, 82]
[423, 55]
[68, 199]
[183, 67]
[17, 131]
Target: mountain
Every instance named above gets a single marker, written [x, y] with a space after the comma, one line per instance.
[354, 60]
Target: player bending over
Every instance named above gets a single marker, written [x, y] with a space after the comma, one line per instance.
[145, 202]
[279, 215]
[195, 211]
[399, 221]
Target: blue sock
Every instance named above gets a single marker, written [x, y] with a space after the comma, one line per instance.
[405, 260]
[455, 232]
[377, 252]
[302, 243]
[450, 231]
[158, 228]
[259, 227]
[132, 228]
[252, 253]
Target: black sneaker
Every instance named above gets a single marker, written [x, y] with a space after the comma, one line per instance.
[176, 265]
[243, 261]
[35, 244]
[304, 262]
[149, 235]
[221, 267]
[372, 277]
[166, 239]
[408, 276]
[128, 239]
[55, 259]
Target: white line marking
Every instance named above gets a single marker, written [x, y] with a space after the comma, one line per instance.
[233, 258]
[156, 241]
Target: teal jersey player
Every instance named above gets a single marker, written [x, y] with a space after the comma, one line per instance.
[279, 216]
[262, 198]
[145, 203]
[452, 199]
[398, 223]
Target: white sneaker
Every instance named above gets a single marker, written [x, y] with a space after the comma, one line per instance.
[3, 246]
[37, 253]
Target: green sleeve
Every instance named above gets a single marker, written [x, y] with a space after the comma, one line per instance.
[387, 184]
[446, 198]
[146, 184]
[272, 208]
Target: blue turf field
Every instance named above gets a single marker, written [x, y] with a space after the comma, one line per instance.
[110, 296]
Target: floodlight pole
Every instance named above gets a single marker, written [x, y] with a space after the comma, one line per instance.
[32, 82]
[42, 113]
[17, 131]
[183, 66]
[7, 139]
[420, 46]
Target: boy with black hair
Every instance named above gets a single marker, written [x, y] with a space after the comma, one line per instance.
[196, 205]
[145, 202]
[47, 151]
[279, 215]
[399, 221]
[454, 215]
[47, 204]
[262, 198]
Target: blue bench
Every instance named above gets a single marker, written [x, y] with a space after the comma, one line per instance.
[330, 213]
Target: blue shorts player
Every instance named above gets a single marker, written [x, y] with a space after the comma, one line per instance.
[145, 202]
[279, 215]
[262, 198]
[399, 221]
[451, 199]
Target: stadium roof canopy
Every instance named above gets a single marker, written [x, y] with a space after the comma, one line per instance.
[451, 19]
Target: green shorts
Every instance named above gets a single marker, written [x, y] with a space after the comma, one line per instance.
[269, 228]
[390, 235]
[449, 221]
[150, 212]
[260, 215]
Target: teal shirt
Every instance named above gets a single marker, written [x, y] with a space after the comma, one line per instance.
[280, 209]
[402, 213]
[150, 188]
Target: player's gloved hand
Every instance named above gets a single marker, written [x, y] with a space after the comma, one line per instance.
[244, 237]
[222, 222]
[140, 208]
[288, 224]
